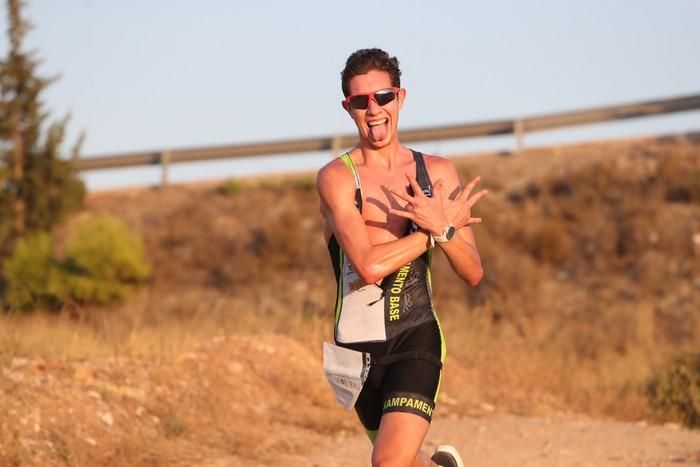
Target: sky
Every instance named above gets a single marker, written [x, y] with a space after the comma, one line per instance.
[149, 75]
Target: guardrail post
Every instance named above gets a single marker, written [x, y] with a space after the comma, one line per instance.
[335, 146]
[519, 136]
[164, 167]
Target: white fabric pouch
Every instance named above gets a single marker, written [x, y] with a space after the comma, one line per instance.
[362, 315]
[346, 370]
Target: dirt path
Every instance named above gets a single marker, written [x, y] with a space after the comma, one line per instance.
[505, 441]
[249, 396]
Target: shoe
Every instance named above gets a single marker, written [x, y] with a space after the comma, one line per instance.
[447, 456]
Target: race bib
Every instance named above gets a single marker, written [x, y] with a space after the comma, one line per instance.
[346, 370]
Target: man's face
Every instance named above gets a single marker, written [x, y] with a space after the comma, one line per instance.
[376, 124]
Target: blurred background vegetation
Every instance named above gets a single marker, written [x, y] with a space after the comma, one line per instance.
[39, 190]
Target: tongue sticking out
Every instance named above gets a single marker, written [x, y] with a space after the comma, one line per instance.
[378, 132]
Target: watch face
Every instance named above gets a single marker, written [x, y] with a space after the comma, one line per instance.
[450, 232]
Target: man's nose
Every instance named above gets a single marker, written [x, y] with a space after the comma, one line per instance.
[372, 106]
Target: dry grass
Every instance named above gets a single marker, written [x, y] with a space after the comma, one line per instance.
[133, 330]
[592, 280]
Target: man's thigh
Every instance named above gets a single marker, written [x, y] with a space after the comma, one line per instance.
[399, 438]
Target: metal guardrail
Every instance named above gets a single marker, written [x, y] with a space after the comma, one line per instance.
[518, 127]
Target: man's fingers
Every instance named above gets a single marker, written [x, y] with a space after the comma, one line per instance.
[417, 191]
[474, 220]
[439, 188]
[472, 200]
[472, 184]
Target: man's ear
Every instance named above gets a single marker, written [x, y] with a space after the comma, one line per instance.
[402, 96]
[347, 108]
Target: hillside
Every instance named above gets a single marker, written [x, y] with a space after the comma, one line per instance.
[592, 260]
[597, 239]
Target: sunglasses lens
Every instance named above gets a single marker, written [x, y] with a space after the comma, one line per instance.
[359, 102]
[384, 96]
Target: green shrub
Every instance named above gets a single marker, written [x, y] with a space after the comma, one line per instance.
[33, 276]
[103, 259]
[104, 248]
[675, 389]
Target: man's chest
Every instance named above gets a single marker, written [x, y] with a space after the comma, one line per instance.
[378, 201]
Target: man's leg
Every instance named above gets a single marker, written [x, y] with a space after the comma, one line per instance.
[398, 441]
[408, 399]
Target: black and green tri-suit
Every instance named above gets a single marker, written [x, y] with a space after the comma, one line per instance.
[394, 322]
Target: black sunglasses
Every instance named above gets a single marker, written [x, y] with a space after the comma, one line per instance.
[381, 97]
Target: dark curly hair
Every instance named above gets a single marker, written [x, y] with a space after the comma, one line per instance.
[365, 60]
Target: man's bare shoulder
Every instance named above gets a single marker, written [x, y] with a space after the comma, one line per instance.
[334, 177]
[332, 171]
[438, 165]
[331, 168]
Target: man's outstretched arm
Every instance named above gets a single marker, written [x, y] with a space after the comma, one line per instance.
[456, 204]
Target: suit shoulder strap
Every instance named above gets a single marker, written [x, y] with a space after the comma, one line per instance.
[350, 165]
[422, 176]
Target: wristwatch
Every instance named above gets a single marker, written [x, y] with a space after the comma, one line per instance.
[447, 234]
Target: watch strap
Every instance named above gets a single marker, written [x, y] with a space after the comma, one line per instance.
[442, 238]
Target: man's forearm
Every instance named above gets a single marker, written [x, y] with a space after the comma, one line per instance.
[385, 258]
[464, 258]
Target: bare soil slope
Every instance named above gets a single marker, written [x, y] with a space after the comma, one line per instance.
[262, 400]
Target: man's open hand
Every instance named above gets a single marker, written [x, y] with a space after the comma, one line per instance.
[428, 213]
[459, 210]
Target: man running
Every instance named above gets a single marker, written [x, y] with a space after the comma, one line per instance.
[384, 207]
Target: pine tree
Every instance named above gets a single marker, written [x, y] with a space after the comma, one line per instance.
[38, 187]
